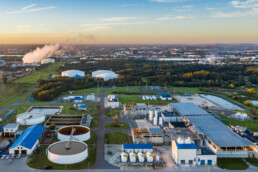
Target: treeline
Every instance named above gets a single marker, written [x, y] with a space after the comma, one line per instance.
[138, 72]
[50, 89]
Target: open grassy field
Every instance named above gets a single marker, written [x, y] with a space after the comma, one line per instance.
[232, 163]
[124, 90]
[87, 91]
[137, 99]
[250, 124]
[116, 138]
[94, 123]
[252, 161]
[122, 125]
[42, 73]
[112, 112]
[38, 161]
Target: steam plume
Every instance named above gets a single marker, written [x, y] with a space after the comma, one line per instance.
[40, 54]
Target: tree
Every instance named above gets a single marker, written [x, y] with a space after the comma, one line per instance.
[231, 86]
[251, 91]
[248, 84]
[248, 103]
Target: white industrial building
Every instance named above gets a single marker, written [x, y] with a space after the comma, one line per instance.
[28, 141]
[49, 60]
[105, 74]
[10, 129]
[112, 101]
[30, 118]
[186, 153]
[73, 74]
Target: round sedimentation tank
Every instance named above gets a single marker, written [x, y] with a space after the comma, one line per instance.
[82, 133]
[30, 118]
[59, 154]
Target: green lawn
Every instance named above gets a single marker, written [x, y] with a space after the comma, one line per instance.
[137, 99]
[192, 90]
[42, 73]
[252, 161]
[251, 124]
[232, 164]
[124, 90]
[87, 91]
[38, 161]
[113, 112]
[94, 123]
[116, 138]
[122, 125]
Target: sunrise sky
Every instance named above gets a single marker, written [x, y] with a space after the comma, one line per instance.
[128, 21]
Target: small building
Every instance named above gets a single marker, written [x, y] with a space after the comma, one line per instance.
[137, 148]
[78, 100]
[165, 96]
[82, 107]
[91, 97]
[171, 116]
[28, 141]
[10, 129]
[112, 101]
[186, 153]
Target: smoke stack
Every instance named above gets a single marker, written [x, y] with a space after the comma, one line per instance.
[40, 53]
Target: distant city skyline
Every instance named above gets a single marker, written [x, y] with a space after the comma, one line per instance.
[128, 21]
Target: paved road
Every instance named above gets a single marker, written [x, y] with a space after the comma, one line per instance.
[101, 163]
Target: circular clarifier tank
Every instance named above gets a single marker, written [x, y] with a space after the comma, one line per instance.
[30, 118]
[82, 133]
[59, 154]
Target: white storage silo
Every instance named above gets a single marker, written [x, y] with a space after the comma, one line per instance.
[140, 157]
[132, 157]
[155, 121]
[149, 157]
[124, 157]
[151, 115]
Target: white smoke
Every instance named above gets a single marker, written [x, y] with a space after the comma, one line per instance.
[40, 53]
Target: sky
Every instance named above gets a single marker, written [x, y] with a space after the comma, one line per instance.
[128, 21]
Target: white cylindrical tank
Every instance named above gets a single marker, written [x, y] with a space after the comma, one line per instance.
[150, 115]
[161, 121]
[149, 157]
[156, 114]
[155, 121]
[124, 157]
[141, 157]
[57, 152]
[132, 157]
[82, 133]
[30, 118]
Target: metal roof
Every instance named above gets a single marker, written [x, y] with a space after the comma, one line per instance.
[164, 94]
[170, 113]
[11, 125]
[78, 98]
[141, 105]
[156, 131]
[29, 137]
[138, 146]
[217, 132]
[186, 146]
[188, 109]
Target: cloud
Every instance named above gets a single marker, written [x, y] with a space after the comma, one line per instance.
[166, 1]
[24, 26]
[210, 9]
[30, 8]
[113, 19]
[116, 24]
[252, 12]
[126, 5]
[245, 4]
[97, 28]
[169, 17]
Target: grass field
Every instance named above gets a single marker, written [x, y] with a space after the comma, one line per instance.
[87, 91]
[113, 112]
[251, 124]
[42, 73]
[122, 125]
[38, 161]
[116, 138]
[18, 109]
[94, 123]
[252, 161]
[231, 163]
[137, 99]
[124, 90]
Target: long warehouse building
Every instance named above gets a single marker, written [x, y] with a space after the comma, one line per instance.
[220, 138]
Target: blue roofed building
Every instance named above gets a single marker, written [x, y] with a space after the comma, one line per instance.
[186, 153]
[28, 141]
[165, 96]
[78, 99]
[137, 148]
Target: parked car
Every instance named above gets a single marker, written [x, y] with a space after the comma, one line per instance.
[47, 167]
[7, 157]
[12, 156]
[3, 156]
